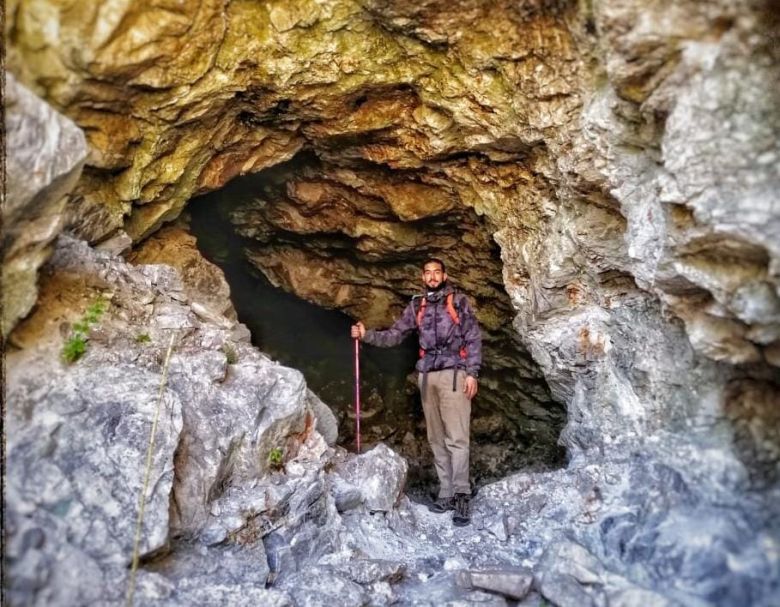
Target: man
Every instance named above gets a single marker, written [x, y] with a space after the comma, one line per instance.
[450, 358]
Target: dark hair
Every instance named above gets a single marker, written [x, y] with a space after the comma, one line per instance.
[434, 260]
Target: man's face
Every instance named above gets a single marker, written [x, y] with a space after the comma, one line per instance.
[433, 275]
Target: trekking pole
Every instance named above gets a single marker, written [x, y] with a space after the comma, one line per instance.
[357, 393]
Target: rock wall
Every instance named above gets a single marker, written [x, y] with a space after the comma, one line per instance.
[685, 219]
[327, 234]
[623, 156]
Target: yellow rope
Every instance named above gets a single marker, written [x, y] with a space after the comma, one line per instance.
[147, 474]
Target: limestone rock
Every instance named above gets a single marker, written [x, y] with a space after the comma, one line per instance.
[204, 283]
[82, 499]
[318, 587]
[370, 571]
[327, 424]
[514, 585]
[80, 432]
[45, 154]
[331, 236]
[380, 475]
[116, 244]
[346, 495]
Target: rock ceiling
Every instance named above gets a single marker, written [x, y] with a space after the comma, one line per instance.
[170, 115]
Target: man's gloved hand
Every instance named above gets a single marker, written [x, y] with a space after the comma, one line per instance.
[470, 387]
[358, 331]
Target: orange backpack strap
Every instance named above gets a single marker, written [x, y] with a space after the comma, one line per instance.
[451, 310]
[421, 311]
[456, 319]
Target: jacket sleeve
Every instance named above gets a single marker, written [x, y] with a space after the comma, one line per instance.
[395, 334]
[472, 337]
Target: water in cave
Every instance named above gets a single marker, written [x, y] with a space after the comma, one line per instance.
[316, 341]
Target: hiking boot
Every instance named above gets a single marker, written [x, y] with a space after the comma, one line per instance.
[462, 515]
[442, 504]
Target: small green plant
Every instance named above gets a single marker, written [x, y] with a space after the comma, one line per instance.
[230, 353]
[74, 347]
[76, 344]
[94, 312]
[275, 458]
[142, 338]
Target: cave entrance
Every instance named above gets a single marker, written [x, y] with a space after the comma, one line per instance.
[247, 230]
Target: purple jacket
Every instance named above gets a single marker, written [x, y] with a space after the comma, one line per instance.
[439, 336]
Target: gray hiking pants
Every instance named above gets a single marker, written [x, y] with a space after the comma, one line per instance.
[447, 417]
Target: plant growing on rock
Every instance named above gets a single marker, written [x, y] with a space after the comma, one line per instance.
[230, 353]
[76, 344]
[142, 338]
[276, 458]
[74, 347]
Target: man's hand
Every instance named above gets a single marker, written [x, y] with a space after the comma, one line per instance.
[471, 386]
[358, 331]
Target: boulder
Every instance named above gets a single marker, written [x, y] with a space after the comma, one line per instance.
[379, 474]
[46, 152]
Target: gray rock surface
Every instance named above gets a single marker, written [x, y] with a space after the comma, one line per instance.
[379, 475]
[77, 501]
[45, 152]
[513, 584]
[78, 433]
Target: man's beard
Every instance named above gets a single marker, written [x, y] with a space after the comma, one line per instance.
[438, 287]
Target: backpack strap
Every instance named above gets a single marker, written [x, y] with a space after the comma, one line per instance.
[453, 312]
[420, 314]
[421, 311]
[451, 309]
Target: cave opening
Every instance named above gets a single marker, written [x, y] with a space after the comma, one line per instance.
[302, 268]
